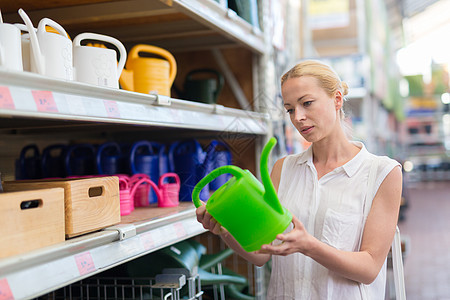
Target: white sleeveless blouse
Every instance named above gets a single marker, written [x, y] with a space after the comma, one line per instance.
[331, 209]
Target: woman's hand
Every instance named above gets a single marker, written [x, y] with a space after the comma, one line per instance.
[297, 240]
[208, 222]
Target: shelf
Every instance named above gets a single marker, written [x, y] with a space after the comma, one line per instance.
[35, 97]
[146, 230]
[176, 25]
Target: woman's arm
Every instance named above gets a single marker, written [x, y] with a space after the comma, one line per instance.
[211, 224]
[364, 265]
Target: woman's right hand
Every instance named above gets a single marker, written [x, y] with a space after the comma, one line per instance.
[208, 222]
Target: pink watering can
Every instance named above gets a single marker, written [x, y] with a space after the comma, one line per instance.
[167, 193]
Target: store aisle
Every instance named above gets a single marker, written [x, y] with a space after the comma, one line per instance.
[427, 224]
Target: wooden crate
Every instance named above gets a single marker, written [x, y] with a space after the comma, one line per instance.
[30, 220]
[90, 203]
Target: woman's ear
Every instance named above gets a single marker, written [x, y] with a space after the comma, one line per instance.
[338, 100]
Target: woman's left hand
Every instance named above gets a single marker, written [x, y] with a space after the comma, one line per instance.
[297, 240]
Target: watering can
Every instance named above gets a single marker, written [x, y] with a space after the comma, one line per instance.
[167, 193]
[29, 166]
[80, 160]
[191, 163]
[145, 158]
[125, 195]
[110, 159]
[221, 157]
[10, 47]
[249, 210]
[98, 65]
[53, 161]
[149, 74]
[51, 53]
[202, 85]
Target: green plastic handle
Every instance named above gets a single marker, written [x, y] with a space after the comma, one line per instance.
[233, 170]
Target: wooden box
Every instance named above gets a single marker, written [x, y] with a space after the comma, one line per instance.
[30, 220]
[89, 203]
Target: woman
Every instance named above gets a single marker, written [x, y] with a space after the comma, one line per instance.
[331, 250]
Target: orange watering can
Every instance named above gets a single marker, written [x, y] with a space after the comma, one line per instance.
[149, 74]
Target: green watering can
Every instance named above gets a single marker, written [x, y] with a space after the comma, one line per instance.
[249, 210]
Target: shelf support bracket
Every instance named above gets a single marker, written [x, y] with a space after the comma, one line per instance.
[125, 230]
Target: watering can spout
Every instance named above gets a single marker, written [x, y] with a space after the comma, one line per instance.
[35, 47]
[270, 195]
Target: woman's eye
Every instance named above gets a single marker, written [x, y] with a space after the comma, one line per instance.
[289, 111]
[307, 103]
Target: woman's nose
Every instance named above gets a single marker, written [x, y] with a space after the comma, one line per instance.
[299, 114]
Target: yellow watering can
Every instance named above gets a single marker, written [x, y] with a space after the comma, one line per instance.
[149, 74]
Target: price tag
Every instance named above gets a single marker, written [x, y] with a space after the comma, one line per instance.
[44, 101]
[85, 263]
[112, 109]
[5, 291]
[6, 101]
[179, 229]
[147, 241]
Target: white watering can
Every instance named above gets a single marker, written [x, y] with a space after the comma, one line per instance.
[10, 47]
[96, 65]
[51, 54]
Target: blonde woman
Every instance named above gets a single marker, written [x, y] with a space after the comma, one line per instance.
[332, 250]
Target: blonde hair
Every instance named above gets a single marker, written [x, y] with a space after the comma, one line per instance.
[328, 79]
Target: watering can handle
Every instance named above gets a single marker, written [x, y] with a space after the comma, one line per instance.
[134, 53]
[24, 151]
[233, 170]
[108, 39]
[168, 175]
[136, 146]
[69, 154]
[46, 21]
[100, 151]
[146, 180]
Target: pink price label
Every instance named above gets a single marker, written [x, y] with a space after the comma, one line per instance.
[6, 101]
[44, 101]
[85, 263]
[112, 109]
[5, 291]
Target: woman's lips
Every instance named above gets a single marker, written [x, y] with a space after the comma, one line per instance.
[306, 130]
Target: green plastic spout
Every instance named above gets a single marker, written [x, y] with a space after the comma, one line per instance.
[270, 195]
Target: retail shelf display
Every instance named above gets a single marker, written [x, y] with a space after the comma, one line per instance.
[25, 94]
[53, 267]
[34, 102]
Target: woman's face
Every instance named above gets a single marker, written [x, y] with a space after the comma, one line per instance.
[312, 111]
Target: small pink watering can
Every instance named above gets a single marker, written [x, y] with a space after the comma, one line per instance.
[167, 193]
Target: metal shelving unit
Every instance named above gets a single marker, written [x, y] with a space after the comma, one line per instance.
[29, 101]
[53, 267]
